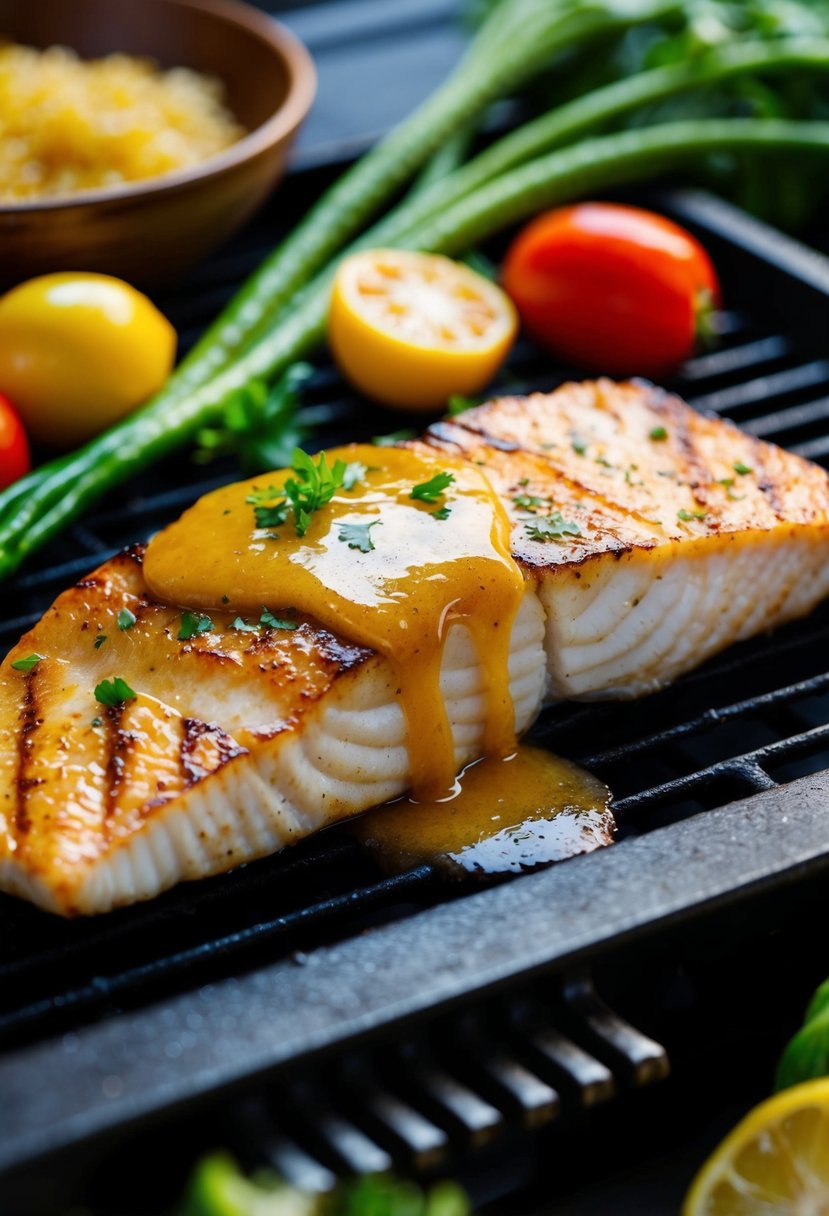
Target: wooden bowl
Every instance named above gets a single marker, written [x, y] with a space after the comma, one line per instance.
[151, 231]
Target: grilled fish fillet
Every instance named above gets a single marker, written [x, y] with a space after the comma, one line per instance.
[691, 536]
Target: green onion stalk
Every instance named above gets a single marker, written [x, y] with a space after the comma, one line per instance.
[590, 166]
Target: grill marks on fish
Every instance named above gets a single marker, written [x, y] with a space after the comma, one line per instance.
[240, 743]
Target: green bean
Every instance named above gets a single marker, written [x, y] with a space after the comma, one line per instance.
[560, 176]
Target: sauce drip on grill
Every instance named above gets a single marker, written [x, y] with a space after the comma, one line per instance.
[377, 567]
[509, 814]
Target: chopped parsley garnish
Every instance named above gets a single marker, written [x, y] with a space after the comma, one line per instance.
[604, 462]
[28, 663]
[314, 486]
[114, 692]
[578, 445]
[192, 624]
[685, 516]
[126, 619]
[358, 536]
[225, 599]
[275, 622]
[658, 433]
[243, 626]
[742, 469]
[97, 722]
[528, 500]
[727, 483]
[431, 490]
[99, 641]
[552, 527]
[442, 513]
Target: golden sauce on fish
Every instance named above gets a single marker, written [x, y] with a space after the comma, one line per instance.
[410, 544]
[508, 814]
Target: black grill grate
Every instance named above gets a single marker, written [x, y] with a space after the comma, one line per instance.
[757, 716]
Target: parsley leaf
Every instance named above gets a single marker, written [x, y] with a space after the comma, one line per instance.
[126, 619]
[458, 404]
[528, 500]
[260, 425]
[313, 487]
[114, 692]
[431, 490]
[658, 433]
[97, 722]
[442, 513]
[358, 536]
[275, 622]
[193, 623]
[28, 663]
[552, 527]
[685, 516]
[742, 469]
[99, 641]
[578, 445]
[727, 483]
[243, 627]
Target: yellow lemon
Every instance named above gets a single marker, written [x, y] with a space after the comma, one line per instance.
[412, 329]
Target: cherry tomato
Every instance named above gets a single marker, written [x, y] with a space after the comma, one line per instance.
[78, 352]
[14, 447]
[612, 288]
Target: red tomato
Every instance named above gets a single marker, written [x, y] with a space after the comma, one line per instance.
[14, 447]
[616, 289]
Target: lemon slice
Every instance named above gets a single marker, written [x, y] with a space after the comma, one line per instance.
[411, 329]
[774, 1163]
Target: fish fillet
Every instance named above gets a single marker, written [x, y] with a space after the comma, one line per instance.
[691, 535]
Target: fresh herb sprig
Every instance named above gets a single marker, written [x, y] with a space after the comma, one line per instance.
[314, 486]
[114, 692]
[431, 490]
[192, 624]
[358, 536]
[551, 527]
[28, 664]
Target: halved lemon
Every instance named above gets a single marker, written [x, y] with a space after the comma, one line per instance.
[774, 1163]
[412, 329]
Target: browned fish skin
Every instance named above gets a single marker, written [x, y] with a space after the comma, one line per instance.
[239, 743]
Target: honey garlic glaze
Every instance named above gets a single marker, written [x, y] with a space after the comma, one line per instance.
[376, 566]
[508, 814]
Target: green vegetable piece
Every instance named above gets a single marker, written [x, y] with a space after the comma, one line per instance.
[99, 641]
[431, 490]
[192, 624]
[242, 626]
[218, 1188]
[358, 536]
[457, 404]
[442, 513]
[28, 664]
[114, 692]
[807, 1054]
[658, 433]
[275, 622]
[96, 722]
[686, 516]
[529, 500]
[578, 445]
[313, 487]
[126, 619]
[742, 469]
[551, 527]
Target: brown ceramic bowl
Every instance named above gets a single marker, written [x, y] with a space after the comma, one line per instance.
[151, 231]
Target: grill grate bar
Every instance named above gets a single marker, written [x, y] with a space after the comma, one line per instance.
[762, 389]
[735, 359]
[788, 420]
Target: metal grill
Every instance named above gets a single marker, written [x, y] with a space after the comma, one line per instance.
[754, 718]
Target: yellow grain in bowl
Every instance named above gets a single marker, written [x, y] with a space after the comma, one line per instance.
[68, 124]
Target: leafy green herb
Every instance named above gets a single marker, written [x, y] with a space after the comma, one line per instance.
[658, 433]
[552, 527]
[458, 404]
[578, 445]
[354, 474]
[685, 516]
[313, 487]
[431, 490]
[99, 641]
[96, 722]
[28, 663]
[393, 437]
[192, 624]
[114, 692]
[442, 513]
[528, 500]
[275, 622]
[604, 462]
[225, 599]
[727, 483]
[358, 536]
[243, 626]
[126, 619]
[742, 469]
[261, 426]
